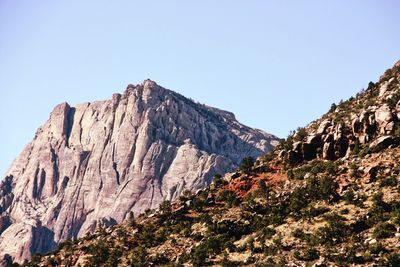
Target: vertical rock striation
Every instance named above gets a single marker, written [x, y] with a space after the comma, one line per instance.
[94, 163]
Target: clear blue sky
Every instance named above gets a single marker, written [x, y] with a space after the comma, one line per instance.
[276, 64]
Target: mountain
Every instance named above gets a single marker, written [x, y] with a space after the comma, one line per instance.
[328, 195]
[92, 164]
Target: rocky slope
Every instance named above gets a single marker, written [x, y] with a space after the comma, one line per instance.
[329, 195]
[92, 164]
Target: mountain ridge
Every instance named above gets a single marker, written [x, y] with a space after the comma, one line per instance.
[328, 195]
[94, 163]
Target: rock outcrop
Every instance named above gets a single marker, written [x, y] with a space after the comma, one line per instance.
[371, 122]
[94, 163]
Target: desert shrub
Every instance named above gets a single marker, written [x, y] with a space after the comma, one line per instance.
[100, 252]
[313, 212]
[67, 245]
[132, 220]
[334, 232]
[247, 164]
[397, 129]
[393, 100]
[225, 262]
[323, 188]
[332, 108]
[298, 233]
[389, 181]
[186, 195]
[197, 204]
[265, 234]
[298, 200]
[301, 134]
[349, 196]
[147, 235]
[349, 256]
[159, 260]
[377, 248]
[218, 180]
[392, 260]
[229, 197]
[165, 207]
[379, 212]
[396, 215]
[139, 257]
[307, 254]
[212, 245]
[52, 262]
[384, 230]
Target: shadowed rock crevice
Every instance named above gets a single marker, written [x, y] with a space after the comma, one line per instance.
[69, 123]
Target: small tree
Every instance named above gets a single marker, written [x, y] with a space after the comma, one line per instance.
[263, 188]
[247, 164]
[356, 149]
[132, 221]
[333, 107]
[165, 207]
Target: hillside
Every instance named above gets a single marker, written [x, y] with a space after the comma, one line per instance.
[92, 164]
[327, 195]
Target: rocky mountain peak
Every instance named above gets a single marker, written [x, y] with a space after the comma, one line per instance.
[328, 195]
[92, 164]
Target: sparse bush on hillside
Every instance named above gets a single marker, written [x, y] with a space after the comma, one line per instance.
[392, 260]
[246, 165]
[301, 134]
[229, 198]
[334, 232]
[131, 219]
[384, 230]
[388, 181]
[218, 180]
[332, 108]
[307, 254]
[138, 257]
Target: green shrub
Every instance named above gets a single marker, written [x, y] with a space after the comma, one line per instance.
[393, 259]
[377, 248]
[131, 220]
[384, 230]
[218, 180]
[334, 232]
[307, 254]
[389, 181]
[229, 198]
[139, 257]
[246, 165]
[100, 252]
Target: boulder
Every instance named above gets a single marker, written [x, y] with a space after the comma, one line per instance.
[356, 126]
[383, 116]
[381, 143]
[328, 151]
[294, 157]
[341, 145]
[323, 126]
[309, 151]
[383, 89]
[315, 139]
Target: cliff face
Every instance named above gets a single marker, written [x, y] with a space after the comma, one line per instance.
[328, 195]
[92, 164]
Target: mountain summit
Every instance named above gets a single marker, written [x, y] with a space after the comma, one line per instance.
[328, 195]
[93, 164]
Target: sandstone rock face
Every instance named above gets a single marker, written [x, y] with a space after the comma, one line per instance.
[92, 164]
[366, 124]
